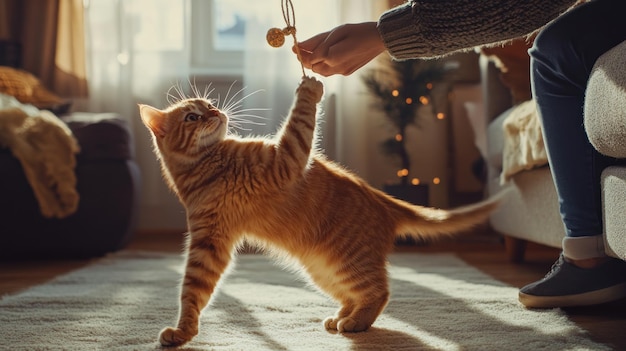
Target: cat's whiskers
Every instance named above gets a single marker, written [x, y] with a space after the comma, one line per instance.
[228, 102]
[208, 90]
[237, 120]
[241, 119]
[194, 87]
[234, 126]
[178, 89]
[231, 104]
[179, 93]
[238, 116]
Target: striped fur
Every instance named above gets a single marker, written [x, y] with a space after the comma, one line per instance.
[288, 199]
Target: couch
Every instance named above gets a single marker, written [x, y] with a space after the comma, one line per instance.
[530, 212]
[104, 174]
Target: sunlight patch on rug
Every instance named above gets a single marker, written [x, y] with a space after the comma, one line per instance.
[121, 302]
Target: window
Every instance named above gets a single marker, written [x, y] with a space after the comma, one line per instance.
[168, 35]
[130, 25]
[218, 35]
[218, 29]
[230, 23]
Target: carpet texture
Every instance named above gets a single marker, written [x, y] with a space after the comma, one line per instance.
[122, 302]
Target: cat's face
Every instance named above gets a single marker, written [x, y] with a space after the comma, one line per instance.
[191, 124]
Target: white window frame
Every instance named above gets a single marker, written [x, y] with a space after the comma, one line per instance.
[205, 60]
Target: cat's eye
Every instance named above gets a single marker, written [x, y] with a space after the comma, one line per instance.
[192, 117]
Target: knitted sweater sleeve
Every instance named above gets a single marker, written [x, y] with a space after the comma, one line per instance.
[428, 28]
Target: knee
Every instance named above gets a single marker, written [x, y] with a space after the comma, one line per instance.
[556, 46]
[571, 44]
[560, 58]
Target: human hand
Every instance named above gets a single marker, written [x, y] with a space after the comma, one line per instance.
[342, 50]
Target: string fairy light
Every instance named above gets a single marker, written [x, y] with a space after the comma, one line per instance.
[276, 36]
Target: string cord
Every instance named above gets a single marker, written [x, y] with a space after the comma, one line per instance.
[289, 15]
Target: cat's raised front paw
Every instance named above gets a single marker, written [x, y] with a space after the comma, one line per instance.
[312, 85]
[174, 337]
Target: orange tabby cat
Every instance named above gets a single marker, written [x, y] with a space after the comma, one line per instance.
[283, 195]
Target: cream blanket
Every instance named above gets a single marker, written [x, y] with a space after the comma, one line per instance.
[523, 142]
[46, 148]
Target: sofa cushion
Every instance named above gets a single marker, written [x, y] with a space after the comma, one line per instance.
[531, 208]
[495, 141]
[605, 103]
[101, 136]
[614, 199]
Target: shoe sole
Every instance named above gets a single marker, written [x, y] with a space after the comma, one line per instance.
[596, 297]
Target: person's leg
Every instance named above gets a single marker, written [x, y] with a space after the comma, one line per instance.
[561, 61]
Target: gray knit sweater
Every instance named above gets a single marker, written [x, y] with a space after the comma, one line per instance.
[427, 28]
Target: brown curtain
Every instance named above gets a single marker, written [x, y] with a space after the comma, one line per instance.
[51, 33]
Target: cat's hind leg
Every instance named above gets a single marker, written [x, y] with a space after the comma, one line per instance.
[330, 323]
[363, 315]
[363, 300]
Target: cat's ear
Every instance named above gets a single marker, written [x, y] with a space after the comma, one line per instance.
[154, 119]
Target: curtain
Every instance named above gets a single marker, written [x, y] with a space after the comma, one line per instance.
[137, 50]
[69, 72]
[276, 73]
[51, 33]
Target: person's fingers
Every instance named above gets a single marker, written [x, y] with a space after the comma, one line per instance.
[342, 50]
[322, 69]
[319, 45]
[312, 43]
[326, 70]
[309, 58]
[341, 59]
[308, 47]
[305, 58]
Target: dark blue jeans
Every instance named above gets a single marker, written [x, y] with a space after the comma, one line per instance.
[562, 57]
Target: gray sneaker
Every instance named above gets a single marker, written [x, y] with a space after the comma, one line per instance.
[568, 285]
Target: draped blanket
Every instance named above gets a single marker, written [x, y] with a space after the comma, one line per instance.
[46, 149]
[523, 142]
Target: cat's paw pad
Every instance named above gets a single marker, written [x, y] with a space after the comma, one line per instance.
[312, 85]
[173, 337]
[330, 323]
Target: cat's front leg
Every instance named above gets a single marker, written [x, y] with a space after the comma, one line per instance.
[206, 261]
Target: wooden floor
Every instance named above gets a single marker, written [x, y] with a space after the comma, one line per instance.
[605, 323]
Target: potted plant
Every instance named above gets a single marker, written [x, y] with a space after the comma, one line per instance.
[401, 89]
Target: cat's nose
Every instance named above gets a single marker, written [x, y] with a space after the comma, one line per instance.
[213, 112]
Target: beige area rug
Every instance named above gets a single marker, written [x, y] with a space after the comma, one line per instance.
[122, 302]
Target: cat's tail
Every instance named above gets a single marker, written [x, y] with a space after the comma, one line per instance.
[429, 223]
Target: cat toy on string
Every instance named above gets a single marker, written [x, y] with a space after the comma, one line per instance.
[276, 36]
